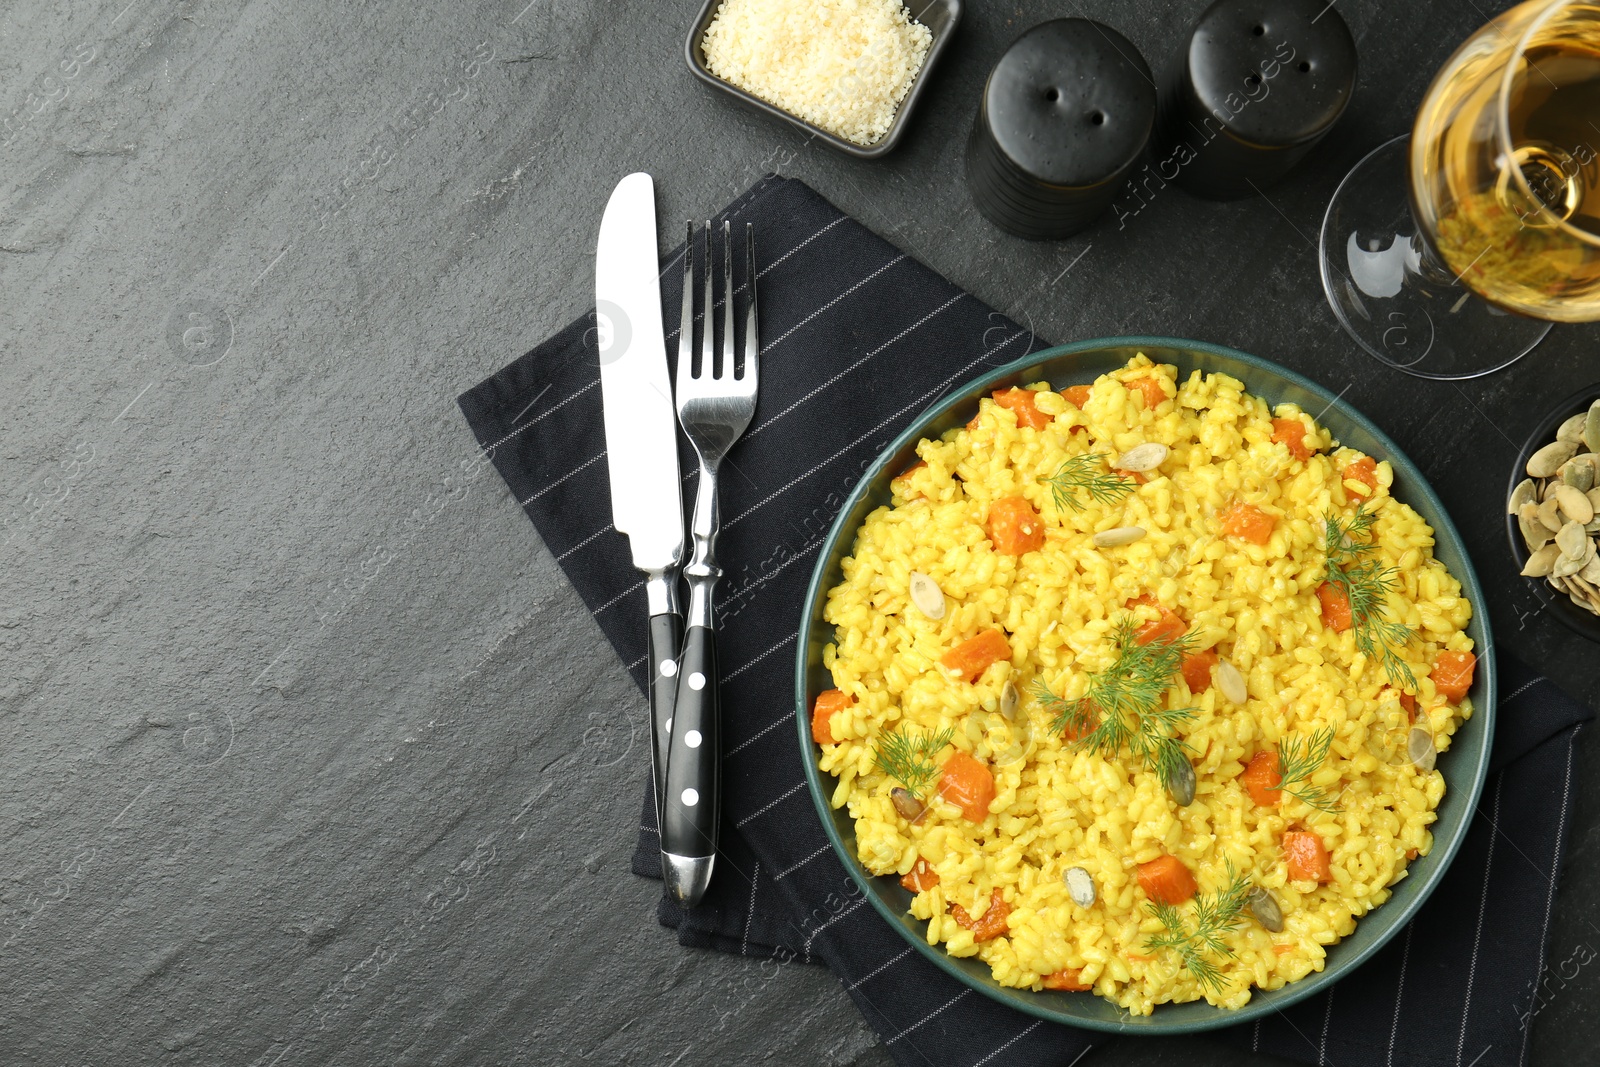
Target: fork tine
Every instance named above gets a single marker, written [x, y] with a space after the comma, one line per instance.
[686, 316]
[727, 367]
[752, 344]
[708, 341]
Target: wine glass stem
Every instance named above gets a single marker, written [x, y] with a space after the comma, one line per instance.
[1427, 263]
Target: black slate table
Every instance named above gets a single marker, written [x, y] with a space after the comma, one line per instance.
[307, 753]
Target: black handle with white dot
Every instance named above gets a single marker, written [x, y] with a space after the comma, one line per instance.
[666, 631]
[692, 794]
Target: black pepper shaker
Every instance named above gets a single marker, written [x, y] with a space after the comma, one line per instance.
[1066, 114]
[1259, 84]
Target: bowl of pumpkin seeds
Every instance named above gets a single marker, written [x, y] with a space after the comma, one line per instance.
[1553, 514]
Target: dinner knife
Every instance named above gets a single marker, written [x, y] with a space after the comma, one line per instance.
[641, 434]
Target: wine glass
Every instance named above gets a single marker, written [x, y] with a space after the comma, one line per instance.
[1502, 232]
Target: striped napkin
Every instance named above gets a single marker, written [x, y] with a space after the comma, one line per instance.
[860, 338]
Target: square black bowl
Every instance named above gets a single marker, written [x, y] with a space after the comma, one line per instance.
[940, 16]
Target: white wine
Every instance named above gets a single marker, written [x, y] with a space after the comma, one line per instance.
[1505, 162]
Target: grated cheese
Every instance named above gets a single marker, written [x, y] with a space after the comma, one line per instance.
[843, 65]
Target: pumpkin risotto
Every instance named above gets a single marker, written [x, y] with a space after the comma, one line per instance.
[1139, 688]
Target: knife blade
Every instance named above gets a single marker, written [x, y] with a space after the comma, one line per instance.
[641, 433]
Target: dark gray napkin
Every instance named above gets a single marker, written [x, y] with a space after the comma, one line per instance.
[859, 339]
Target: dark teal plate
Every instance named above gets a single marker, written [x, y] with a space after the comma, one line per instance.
[1465, 766]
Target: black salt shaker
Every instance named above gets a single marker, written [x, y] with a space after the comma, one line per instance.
[1065, 116]
[1259, 84]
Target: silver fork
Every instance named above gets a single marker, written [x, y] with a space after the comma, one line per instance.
[714, 407]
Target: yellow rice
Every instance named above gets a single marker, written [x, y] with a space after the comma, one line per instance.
[1057, 807]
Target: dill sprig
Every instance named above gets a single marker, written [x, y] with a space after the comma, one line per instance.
[1214, 915]
[1154, 744]
[1087, 473]
[909, 760]
[1073, 716]
[1121, 707]
[1366, 583]
[1298, 759]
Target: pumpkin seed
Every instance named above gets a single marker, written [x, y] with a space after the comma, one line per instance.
[1589, 597]
[1590, 593]
[1010, 700]
[1591, 427]
[1568, 568]
[1572, 429]
[1182, 785]
[1591, 570]
[1534, 532]
[1231, 682]
[906, 803]
[1122, 535]
[1575, 544]
[927, 596]
[1145, 457]
[1526, 492]
[1080, 886]
[1574, 505]
[1542, 562]
[1594, 497]
[1265, 909]
[1550, 515]
[1547, 488]
[1578, 472]
[1545, 462]
[1593, 526]
[1419, 747]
